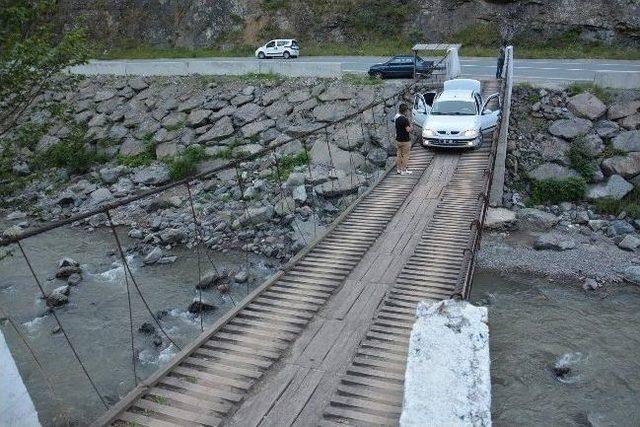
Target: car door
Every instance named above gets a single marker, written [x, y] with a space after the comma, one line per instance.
[280, 46]
[393, 67]
[270, 48]
[407, 68]
[420, 110]
[489, 118]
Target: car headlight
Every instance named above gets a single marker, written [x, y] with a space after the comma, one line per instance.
[429, 133]
[471, 133]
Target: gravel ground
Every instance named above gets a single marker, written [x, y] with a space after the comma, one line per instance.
[512, 253]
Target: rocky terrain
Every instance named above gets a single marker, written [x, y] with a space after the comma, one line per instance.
[208, 23]
[571, 206]
[108, 138]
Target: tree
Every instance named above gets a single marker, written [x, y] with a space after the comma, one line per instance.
[32, 53]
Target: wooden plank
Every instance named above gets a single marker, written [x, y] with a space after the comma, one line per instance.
[185, 418]
[214, 366]
[131, 418]
[189, 401]
[204, 391]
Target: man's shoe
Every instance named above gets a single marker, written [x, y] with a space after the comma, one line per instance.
[407, 172]
[398, 171]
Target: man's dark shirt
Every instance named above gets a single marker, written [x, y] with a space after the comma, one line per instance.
[402, 123]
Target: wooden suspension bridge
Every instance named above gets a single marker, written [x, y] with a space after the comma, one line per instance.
[325, 340]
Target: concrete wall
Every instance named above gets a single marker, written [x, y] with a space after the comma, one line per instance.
[183, 67]
[617, 79]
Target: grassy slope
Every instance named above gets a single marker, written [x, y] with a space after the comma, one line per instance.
[479, 40]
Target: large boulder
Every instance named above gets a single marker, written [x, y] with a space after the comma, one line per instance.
[631, 122]
[623, 109]
[254, 128]
[223, 128]
[629, 243]
[632, 274]
[336, 92]
[99, 196]
[330, 112]
[151, 175]
[554, 150]
[329, 155]
[499, 219]
[628, 166]
[278, 109]
[554, 241]
[247, 113]
[535, 219]
[198, 118]
[300, 95]
[172, 235]
[627, 141]
[570, 128]
[256, 215]
[58, 297]
[586, 105]
[552, 171]
[614, 187]
[607, 129]
[340, 187]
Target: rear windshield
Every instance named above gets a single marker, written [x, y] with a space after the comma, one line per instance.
[454, 108]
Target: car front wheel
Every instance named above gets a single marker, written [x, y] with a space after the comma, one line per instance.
[378, 75]
[261, 55]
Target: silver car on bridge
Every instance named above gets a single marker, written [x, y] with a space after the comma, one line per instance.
[457, 117]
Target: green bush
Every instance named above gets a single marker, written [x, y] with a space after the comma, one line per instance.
[71, 153]
[145, 158]
[287, 163]
[581, 160]
[629, 204]
[558, 190]
[186, 164]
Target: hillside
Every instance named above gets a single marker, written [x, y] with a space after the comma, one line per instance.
[232, 24]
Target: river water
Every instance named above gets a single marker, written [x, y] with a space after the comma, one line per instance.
[534, 325]
[594, 337]
[97, 318]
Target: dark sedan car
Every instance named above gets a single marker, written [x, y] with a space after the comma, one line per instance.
[401, 66]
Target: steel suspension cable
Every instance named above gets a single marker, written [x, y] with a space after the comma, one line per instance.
[198, 242]
[64, 332]
[126, 279]
[127, 268]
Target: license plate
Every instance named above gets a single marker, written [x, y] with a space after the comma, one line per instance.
[448, 141]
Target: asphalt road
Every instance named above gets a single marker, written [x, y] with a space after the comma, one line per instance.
[531, 70]
[524, 69]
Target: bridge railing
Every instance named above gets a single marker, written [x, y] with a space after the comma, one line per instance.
[108, 212]
[465, 279]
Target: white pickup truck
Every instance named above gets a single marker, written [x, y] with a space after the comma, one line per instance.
[457, 117]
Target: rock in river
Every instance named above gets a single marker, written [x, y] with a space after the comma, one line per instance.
[554, 241]
[200, 307]
[58, 297]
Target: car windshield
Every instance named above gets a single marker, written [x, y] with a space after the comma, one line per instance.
[454, 108]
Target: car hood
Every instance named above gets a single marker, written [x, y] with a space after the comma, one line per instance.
[452, 123]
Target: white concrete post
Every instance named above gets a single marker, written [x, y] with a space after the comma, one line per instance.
[453, 63]
[16, 407]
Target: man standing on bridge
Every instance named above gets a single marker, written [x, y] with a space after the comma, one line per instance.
[403, 140]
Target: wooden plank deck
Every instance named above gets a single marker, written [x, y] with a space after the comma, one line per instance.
[325, 342]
